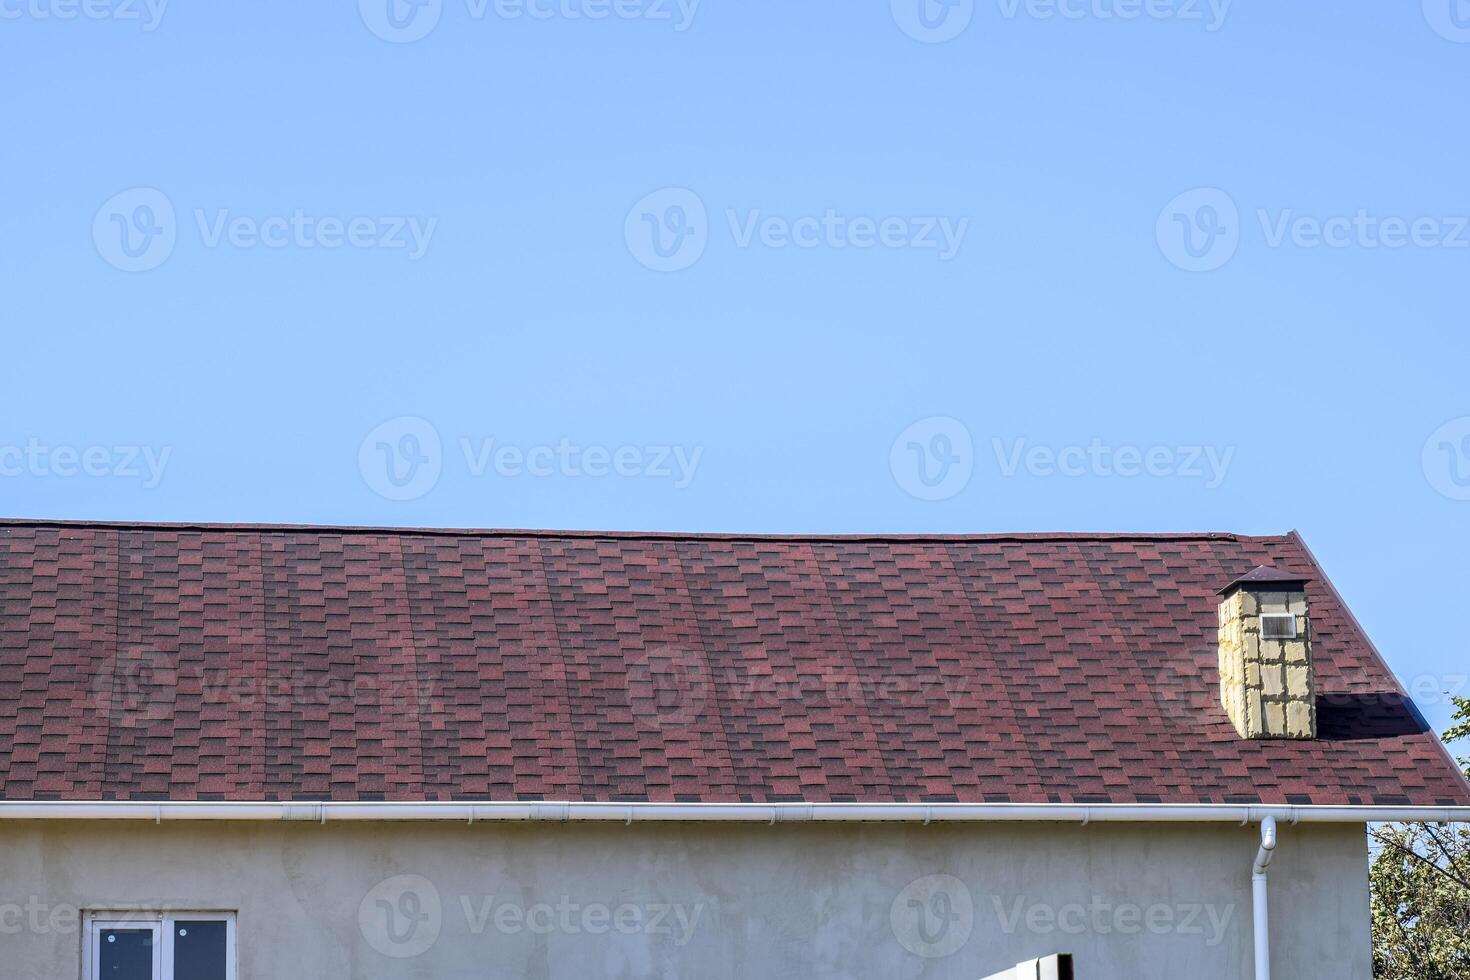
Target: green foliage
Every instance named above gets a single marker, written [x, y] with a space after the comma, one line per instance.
[1462, 729]
[1421, 893]
[1421, 903]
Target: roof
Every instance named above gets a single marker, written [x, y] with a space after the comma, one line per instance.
[153, 662]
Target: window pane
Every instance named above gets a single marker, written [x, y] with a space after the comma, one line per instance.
[125, 954]
[199, 950]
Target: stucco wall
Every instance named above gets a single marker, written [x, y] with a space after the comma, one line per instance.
[698, 902]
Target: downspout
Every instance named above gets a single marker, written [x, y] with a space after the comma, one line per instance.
[1261, 899]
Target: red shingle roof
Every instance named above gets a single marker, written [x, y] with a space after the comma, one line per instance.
[239, 663]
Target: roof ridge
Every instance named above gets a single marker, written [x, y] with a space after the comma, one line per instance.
[897, 537]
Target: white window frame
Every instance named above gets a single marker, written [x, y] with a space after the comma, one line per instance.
[119, 920]
[163, 925]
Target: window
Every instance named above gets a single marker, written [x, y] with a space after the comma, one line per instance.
[160, 946]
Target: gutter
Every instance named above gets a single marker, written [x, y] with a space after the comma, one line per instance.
[753, 813]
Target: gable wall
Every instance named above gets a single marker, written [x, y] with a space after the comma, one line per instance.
[703, 902]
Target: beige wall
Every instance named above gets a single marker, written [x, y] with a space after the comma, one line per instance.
[702, 902]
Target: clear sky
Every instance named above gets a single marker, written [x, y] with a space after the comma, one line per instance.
[808, 265]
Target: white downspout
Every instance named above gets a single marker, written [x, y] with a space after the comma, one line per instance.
[1261, 899]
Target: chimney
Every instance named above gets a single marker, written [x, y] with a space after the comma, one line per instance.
[1266, 680]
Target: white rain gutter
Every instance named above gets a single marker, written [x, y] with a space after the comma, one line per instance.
[765, 813]
[1260, 898]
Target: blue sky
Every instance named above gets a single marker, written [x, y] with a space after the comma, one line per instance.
[757, 266]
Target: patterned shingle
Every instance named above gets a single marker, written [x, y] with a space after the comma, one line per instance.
[239, 663]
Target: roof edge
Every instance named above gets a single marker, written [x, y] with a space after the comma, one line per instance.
[1372, 648]
[357, 529]
[766, 813]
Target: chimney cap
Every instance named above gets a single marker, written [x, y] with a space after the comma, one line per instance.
[1267, 579]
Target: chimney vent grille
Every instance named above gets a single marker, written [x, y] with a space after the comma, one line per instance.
[1278, 626]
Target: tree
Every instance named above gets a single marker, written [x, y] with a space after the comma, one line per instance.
[1462, 730]
[1421, 892]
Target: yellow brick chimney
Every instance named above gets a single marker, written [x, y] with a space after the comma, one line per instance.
[1266, 682]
